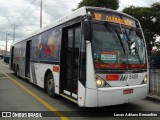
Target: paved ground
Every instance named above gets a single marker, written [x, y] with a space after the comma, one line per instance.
[15, 97]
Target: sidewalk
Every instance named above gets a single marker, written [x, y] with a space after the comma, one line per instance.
[153, 98]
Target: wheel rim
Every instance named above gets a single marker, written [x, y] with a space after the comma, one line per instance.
[50, 84]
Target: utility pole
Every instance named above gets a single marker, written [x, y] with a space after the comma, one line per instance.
[14, 32]
[6, 43]
[14, 26]
[41, 15]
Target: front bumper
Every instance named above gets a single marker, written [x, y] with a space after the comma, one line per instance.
[114, 95]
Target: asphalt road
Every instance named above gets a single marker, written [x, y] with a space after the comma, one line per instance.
[18, 95]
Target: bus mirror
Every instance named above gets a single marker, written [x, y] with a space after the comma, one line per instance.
[87, 30]
[138, 33]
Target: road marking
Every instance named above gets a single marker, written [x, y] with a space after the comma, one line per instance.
[51, 108]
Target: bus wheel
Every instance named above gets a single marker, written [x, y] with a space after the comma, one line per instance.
[50, 85]
[17, 71]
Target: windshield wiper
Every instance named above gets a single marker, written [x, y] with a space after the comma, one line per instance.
[119, 38]
[110, 31]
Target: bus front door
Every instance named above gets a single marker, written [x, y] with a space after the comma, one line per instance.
[27, 65]
[12, 57]
[70, 60]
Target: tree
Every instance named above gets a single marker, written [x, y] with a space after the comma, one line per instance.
[112, 4]
[149, 18]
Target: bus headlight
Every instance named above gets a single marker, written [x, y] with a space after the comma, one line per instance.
[100, 83]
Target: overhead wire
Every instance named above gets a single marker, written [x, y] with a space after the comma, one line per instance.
[38, 7]
[26, 9]
[20, 15]
[33, 10]
[25, 16]
[30, 13]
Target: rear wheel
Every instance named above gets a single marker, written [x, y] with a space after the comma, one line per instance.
[50, 85]
[17, 71]
[14, 69]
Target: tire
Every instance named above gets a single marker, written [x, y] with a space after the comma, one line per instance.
[50, 86]
[17, 72]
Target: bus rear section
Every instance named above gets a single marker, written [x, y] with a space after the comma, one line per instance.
[117, 66]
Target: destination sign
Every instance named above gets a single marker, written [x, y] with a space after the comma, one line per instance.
[98, 16]
[112, 17]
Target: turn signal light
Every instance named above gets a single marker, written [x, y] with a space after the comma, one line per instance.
[145, 80]
[55, 68]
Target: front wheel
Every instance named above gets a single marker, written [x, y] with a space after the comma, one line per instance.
[50, 85]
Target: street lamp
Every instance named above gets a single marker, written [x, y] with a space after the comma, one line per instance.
[6, 43]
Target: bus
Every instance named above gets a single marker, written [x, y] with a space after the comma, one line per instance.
[93, 57]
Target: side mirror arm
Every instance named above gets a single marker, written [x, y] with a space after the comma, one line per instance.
[87, 27]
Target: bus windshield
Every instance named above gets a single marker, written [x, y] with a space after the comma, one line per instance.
[118, 47]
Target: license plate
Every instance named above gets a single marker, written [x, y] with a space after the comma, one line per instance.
[128, 91]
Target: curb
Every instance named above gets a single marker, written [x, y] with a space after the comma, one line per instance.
[153, 98]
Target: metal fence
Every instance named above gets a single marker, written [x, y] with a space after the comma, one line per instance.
[155, 82]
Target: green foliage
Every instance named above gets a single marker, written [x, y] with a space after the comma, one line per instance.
[155, 55]
[149, 18]
[112, 4]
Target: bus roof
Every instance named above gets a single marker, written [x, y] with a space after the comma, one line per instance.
[77, 13]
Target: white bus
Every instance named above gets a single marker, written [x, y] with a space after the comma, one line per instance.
[94, 57]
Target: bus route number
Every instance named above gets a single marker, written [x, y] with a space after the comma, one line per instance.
[133, 76]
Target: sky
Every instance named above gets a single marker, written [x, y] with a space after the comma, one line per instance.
[25, 15]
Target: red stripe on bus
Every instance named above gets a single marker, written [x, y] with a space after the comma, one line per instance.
[106, 65]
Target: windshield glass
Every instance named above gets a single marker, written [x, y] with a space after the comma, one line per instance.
[116, 47]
